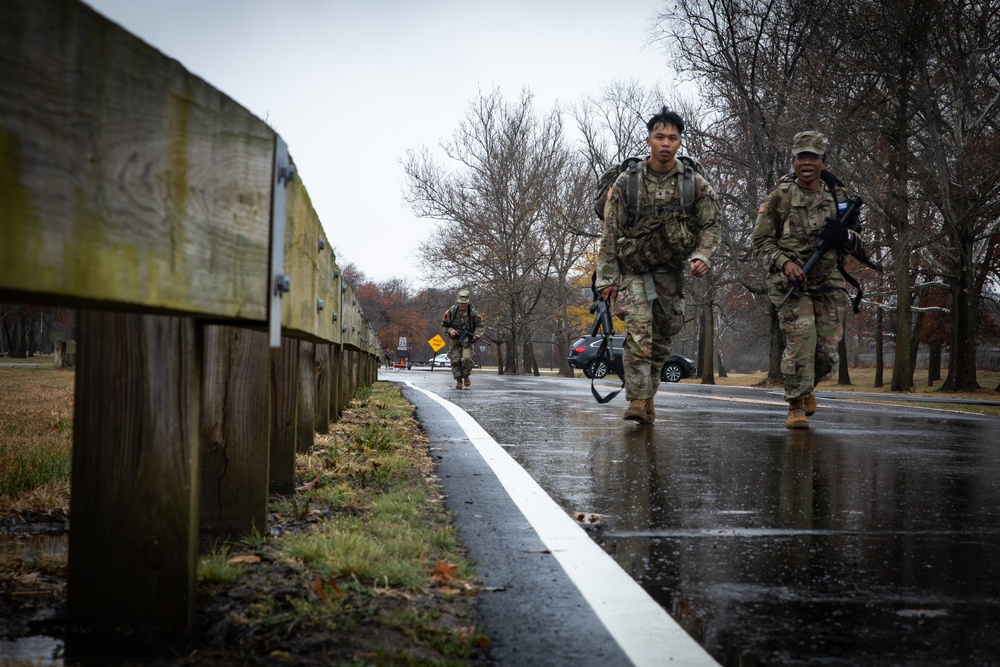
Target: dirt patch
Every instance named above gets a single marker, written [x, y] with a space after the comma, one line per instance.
[257, 621]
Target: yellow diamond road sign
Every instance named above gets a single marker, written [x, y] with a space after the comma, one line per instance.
[437, 342]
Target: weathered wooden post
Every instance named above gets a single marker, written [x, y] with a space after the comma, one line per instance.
[235, 430]
[335, 382]
[322, 420]
[306, 405]
[284, 391]
[133, 537]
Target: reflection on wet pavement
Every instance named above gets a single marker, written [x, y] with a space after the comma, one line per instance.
[871, 539]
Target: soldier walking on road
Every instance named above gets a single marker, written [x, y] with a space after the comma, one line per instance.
[463, 326]
[797, 215]
[646, 245]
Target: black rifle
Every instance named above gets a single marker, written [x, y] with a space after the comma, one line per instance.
[464, 335]
[604, 327]
[853, 208]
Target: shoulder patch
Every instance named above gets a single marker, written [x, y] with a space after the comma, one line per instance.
[763, 207]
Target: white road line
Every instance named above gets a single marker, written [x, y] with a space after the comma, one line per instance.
[644, 631]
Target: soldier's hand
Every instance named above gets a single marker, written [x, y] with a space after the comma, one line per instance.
[452, 333]
[793, 271]
[698, 268]
[609, 293]
[835, 234]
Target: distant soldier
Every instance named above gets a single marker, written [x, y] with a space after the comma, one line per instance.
[643, 257]
[463, 326]
[800, 212]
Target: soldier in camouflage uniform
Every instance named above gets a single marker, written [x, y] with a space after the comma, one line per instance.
[462, 316]
[790, 224]
[642, 263]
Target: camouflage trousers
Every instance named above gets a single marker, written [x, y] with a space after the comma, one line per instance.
[652, 305]
[461, 360]
[813, 324]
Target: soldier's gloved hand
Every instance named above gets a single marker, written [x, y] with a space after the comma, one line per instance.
[835, 234]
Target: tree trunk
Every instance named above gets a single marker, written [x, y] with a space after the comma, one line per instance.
[32, 343]
[933, 363]
[707, 348]
[965, 308]
[17, 326]
[722, 364]
[843, 373]
[879, 348]
[776, 349]
[530, 363]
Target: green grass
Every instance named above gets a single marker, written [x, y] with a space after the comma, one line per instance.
[36, 435]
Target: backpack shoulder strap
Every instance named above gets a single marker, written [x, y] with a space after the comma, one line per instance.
[685, 182]
[632, 189]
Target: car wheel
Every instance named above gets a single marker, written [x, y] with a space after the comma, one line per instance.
[671, 373]
[597, 368]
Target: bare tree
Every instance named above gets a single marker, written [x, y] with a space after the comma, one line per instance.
[492, 211]
[959, 135]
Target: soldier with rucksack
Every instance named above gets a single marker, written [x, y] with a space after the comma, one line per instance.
[660, 220]
[808, 222]
[463, 326]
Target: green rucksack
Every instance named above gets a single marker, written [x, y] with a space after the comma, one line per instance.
[632, 166]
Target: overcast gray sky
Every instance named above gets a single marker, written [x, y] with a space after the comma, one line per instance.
[350, 85]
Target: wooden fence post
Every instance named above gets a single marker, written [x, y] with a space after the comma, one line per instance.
[304, 432]
[322, 422]
[335, 382]
[235, 429]
[133, 537]
[284, 392]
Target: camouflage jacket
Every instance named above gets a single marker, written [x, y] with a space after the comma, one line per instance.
[658, 240]
[787, 228]
[470, 320]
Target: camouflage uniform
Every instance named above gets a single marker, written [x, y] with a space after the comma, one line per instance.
[812, 319]
[647, 261]
[461, 355]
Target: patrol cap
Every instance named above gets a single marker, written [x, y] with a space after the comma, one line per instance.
[463, 296]
[809, 141]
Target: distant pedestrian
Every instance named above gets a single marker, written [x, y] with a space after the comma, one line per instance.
[800, 212]
[463, 326]
[643, 257]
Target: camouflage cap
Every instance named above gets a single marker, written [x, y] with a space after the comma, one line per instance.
[809, 141]
[463, 296]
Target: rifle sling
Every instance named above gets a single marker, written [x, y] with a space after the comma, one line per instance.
[604, 352]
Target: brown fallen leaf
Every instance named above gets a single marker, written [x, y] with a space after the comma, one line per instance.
[443, 572]
[318, 585]
[337, 593]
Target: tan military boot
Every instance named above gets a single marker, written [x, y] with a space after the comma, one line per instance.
[467, 381]
[636, 411]
[650, 412]
[796, 414]
[809, 403]
[458, 383]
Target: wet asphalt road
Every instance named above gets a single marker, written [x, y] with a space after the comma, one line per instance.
[871, 539]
